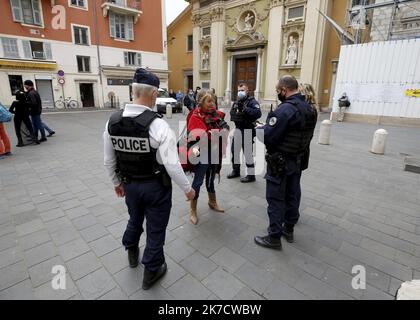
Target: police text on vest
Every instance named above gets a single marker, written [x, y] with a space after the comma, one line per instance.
[130, 144]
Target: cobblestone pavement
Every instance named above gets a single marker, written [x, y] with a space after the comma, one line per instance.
[57, 207]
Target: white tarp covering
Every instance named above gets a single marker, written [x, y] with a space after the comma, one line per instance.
[377, 75]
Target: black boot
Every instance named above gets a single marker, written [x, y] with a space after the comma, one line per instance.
[20, 143]
[133, 257]
[248, 178]
[236, 173]
[150, 278]
[268, 242]
[288, 233]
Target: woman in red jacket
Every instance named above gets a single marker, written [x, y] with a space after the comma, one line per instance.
[207, 126]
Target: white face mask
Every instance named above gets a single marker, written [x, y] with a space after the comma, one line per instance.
[241, 95]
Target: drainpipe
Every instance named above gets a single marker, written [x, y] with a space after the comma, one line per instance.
[95, 19]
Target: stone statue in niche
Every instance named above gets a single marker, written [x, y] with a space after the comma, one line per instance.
[292, 52]
[206, 60]
[249, 22]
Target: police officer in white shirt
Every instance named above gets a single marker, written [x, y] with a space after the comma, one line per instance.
[141, 157]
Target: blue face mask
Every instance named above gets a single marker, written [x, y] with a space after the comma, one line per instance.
[241, 95]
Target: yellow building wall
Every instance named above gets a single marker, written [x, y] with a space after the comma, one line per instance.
[179, 60]
[338, 13]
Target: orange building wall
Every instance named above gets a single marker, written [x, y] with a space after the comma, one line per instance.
[178, 57]
[338, 13]
[147, 30]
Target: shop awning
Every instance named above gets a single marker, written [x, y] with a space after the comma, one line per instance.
[27, 64]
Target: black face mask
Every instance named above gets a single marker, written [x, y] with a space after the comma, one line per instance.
[281, 97]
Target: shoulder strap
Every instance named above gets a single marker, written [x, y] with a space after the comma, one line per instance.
[115, 118]
[146, 118]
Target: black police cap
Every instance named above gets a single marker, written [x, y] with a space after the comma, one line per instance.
[146, 77]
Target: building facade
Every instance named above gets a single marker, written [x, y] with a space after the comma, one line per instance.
[257, 42]
[83, 49]
[180, 52]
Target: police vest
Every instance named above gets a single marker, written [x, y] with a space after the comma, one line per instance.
[136, 159]
[237, 115]
[297, 140]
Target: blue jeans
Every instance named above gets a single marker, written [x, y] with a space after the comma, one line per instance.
[152, 201]
[202, 171]
[47, 128]
[37, 124]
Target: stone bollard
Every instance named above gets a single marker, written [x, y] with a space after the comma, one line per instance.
[379, 141]
[325, 132]
[168, 111]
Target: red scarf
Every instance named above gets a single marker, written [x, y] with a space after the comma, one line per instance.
[211, 118]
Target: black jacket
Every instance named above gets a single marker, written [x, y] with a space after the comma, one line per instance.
[34, 101]
[248, 111]
[19, 109]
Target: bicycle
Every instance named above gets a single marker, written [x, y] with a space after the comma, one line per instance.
[67, 103]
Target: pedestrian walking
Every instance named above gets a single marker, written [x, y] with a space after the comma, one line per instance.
[35, 105]
[286, 135]
[141, 158]
[20, 109]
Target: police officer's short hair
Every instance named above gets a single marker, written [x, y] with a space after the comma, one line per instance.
[141, 89]
[243, 84]
[289, 82]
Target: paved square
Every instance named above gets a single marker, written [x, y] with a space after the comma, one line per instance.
[57, 206]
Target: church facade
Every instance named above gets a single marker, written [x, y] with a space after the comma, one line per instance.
[257, 42]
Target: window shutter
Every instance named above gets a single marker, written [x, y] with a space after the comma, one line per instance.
[76, 35]
[112, 25]
[16, 10]
[10, 47]
[126, 58]
[27, 51]
[139, 59]
[84, 33]
[47, 50]
[37, 12]
[79, 64]
[87, 64]
[130, 28]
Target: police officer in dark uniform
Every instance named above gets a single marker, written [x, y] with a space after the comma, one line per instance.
[287, 136]
[244, 113]
[141, 158]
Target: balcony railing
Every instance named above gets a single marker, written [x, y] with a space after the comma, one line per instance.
[129, 4]
[129, 7]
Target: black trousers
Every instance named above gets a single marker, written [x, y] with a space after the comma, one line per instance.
[283, 198]
[18, 126]
[152, 201]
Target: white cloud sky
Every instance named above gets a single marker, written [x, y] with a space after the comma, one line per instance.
[173, 9]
